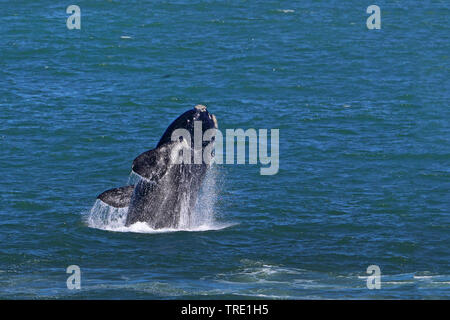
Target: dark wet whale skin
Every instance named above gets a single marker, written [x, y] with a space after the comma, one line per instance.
[166, 190]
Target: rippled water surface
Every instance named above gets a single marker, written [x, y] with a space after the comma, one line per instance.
[364, 147]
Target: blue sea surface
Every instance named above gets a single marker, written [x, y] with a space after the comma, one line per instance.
[364, 176]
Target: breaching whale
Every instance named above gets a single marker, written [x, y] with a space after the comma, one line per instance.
[167, 188]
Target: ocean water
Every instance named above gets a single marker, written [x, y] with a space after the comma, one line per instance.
[364, 147]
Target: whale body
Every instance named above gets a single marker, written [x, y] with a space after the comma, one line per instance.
[167, 189]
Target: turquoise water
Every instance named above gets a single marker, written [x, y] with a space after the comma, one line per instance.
[364, 147]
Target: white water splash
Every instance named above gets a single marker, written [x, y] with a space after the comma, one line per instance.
[204, 213]
[286, 10]
[103, 216]
[133, 179]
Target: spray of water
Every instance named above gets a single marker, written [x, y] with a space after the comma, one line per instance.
[203, 218]
[204, 213]
[103, 216]
[133, 179]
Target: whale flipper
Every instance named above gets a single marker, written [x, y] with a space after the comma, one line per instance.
[152, 164]
[145, 163]
[117, 197]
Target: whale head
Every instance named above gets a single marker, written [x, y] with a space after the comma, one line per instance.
[187, 120]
